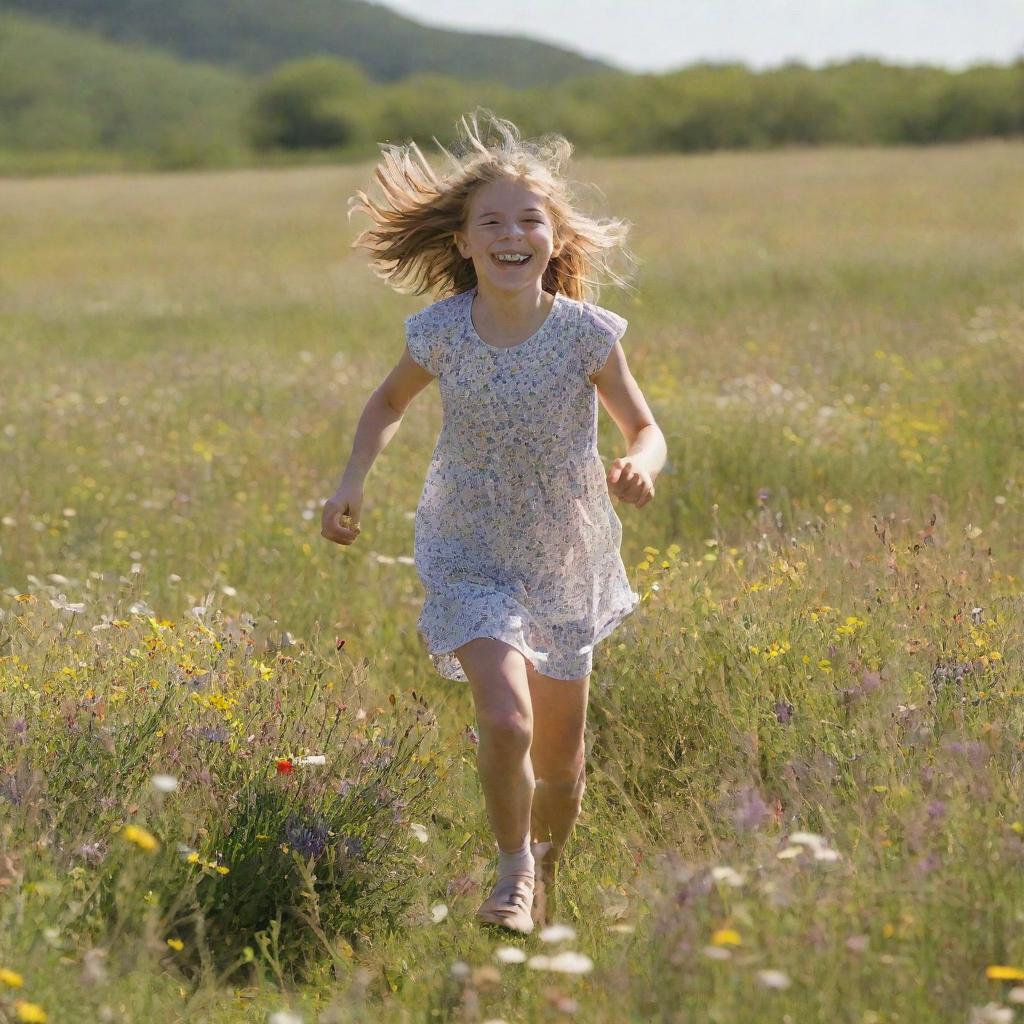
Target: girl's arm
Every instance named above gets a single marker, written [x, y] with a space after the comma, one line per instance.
[631, 478]
[378, 424]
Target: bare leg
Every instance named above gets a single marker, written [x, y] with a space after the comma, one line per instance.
[558, 756]
[504, 714]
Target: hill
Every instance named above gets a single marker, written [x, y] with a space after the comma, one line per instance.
[63, 89]
[253, 36]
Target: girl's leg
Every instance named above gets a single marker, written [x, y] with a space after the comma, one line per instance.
[558, 757]
[504, 715]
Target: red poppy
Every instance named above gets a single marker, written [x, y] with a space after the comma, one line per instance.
[284, 766]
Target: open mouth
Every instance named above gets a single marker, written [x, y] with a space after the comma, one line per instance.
[511, 263]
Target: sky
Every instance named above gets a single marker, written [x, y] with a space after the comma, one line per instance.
[658, 35]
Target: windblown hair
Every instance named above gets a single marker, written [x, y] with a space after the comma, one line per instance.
[412, 241]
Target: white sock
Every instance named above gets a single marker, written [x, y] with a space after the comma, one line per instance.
[518, 862]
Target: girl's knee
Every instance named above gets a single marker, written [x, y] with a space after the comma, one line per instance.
[508, 729]
[564, 775]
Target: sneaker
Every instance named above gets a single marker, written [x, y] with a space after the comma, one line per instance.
[510, 904]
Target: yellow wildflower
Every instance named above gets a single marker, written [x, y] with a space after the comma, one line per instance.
[30, 1013]
[176, 944]
[999, 972]
[725, 937]
[12, 979]
[141, 838]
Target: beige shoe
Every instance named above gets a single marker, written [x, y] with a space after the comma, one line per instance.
[545, 867]
[510, 904]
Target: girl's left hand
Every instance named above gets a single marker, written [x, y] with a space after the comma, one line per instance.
[630, 483]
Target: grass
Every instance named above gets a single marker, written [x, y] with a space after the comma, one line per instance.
[829, 641]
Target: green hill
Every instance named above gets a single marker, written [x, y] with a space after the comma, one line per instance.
[255, 35]
[68, 90]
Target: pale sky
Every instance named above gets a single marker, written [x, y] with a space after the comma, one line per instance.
[657, 35]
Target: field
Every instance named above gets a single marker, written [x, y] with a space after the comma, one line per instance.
[805, 797]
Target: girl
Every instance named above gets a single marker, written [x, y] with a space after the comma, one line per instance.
[516, 539]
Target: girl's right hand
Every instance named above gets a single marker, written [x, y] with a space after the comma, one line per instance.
[340, 519]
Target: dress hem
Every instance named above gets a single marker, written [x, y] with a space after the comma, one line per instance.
[445, 662]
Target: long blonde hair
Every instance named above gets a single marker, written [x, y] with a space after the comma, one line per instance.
[412, 241]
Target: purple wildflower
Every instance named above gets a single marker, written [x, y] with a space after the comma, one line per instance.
[749, 811]
[307, 837]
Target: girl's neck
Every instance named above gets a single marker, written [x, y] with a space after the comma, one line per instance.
[508, 314]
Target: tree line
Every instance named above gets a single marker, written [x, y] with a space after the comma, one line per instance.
[69, 101]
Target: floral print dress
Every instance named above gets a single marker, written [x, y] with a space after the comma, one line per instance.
[516, 536]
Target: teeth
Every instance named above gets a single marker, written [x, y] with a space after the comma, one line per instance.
[506, 258]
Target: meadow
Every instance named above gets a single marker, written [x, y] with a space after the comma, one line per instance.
[231, 787]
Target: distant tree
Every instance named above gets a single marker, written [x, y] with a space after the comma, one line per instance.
[792, 105]
[315, 103]
[980, 102]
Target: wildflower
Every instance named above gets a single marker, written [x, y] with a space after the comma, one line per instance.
[783, 712]
[418, 831]
[141, 838]
[30, 1013]
[750, 810]
[284, 1017]
[92, 852]
[509, 955]
[94, 972]
[717, 953]
[438, 912]
[998, 972]
[354, 847]
[164, 783]
[773, 979]
[459, 969]
[176, 944]
[570, 962]
[312, 759]
[815, 842]
[991, 1013]
[1016, 994]
[307, 837]
[727, 876]
[284, 766]
[725, 937]
[12, 979]
[826, 853]
[557, 933]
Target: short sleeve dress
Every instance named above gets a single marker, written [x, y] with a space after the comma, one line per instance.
[515, 533]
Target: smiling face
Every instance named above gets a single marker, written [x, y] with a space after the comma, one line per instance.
[508, 235]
